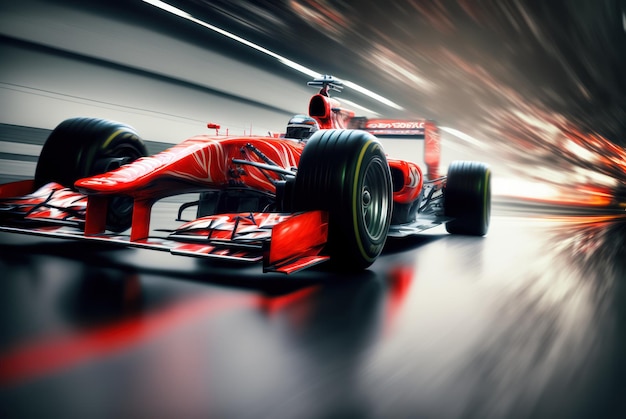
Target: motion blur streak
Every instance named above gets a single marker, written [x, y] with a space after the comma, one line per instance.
[526, 322]
[289, 63]
[538, 88]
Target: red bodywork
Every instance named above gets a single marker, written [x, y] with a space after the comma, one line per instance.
[199, 163]
[285, 242]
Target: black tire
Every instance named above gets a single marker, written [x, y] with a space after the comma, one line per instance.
[82, 147]
[468, 198]
[345, 172]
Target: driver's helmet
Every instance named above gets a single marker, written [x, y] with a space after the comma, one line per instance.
[301, 127]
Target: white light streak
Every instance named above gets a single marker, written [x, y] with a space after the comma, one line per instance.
[170, 9]
[580, 152]
[523, 189]
[373, 95]
[356, 105]
[289, 63]
[548, 128]
[463, 136]
[299, 67]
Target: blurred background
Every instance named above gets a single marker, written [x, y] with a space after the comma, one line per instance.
[527, 322]
[535, 88]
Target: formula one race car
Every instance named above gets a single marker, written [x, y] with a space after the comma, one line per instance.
[323, 192]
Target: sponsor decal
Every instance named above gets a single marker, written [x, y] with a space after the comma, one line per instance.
[395, 125]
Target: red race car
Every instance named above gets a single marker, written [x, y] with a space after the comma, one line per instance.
[323, 192]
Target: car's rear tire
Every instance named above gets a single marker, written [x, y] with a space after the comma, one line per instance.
[82, 147]
[468, 198]
[345, 172]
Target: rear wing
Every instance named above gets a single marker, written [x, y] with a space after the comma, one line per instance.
[419, 129]
[390, 127]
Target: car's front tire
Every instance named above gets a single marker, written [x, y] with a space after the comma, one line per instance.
[82, 147]
[345, 172]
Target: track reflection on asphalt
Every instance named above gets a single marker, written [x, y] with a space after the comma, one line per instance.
[526, 322]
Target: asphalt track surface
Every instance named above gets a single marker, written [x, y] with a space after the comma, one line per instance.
[527, 322]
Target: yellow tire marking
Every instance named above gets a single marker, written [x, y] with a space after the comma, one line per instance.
[111, 137]
[485, 214]
[355, 198]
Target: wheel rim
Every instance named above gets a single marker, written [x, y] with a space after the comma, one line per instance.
[375, 200]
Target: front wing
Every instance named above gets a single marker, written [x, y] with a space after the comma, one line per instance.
[285, 243]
